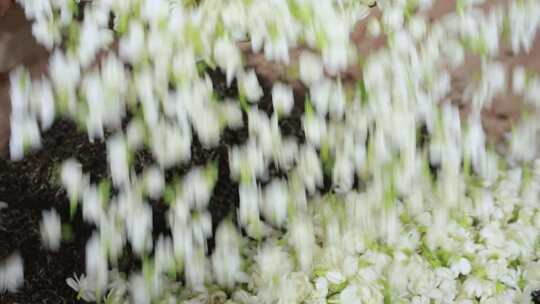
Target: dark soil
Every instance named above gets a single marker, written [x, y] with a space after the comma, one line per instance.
[31, 186]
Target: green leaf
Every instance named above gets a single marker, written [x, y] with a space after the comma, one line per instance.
[105, 190]
[337, 288]
[308, 108]
[499, 287]
[387, 292]
[122, 25]
[522, 283]
[243, 102]
[211, 172]
[327, 158]
[432, 259]
[363, 91]
[67, 233]
[245, 174]
[73, 202]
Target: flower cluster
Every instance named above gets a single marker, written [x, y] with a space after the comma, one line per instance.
[440, 220]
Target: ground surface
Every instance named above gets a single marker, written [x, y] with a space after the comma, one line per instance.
[29, 187]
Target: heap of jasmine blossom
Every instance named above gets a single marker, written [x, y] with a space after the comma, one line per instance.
[440, 220]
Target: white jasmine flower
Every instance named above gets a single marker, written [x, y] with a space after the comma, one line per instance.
[44, 101]
[97, 264]
[64, 71]
[154, 182]
[46, 32]
[38, 9]
[11, 273]
[393, 18]
[287, 154]
[93, 38]
[131, 46]
[519, 77]
[311, 68]
[532, 92]
[336, 106]
[147, 96]
[475, 143]
[461, 266]
[277, 49]
[423, 280]
[197, 188]
[335, 57]
[343, 175]
[226, 259]
[92, 205]
[273, 262]
[139, 227]
[50, 229]
[84, 287]
[235, 19]
[282, 99]
[374, 27]
[72, 177]
[196, 268]
[201, 227]
[228, 57]
[350, 295]
[320, 96]
[309, 168]
[249, 85]
[20, 90]
[250, 197]
[138, 289]
[473, 287]
[24, 134]
[154, 10]
[455, 53]
[184, 65]
[206, 124]
[163, 255]
[232, 114]
[402, 42]
[302, 239]
[117, 154]
[335, 277]
[417, 27]
[321, 286]
[96, 105]
[118, 287]
[275, 202]
[314, 129]
[171, 143]
[523, 142]
[255, 160]
[242, 296]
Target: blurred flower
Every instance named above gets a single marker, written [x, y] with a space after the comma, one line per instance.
[311, 68]
[50, 229]
[228, 58]
[46, 32]
[249, 85]
[84, 287]
[275, 202]
[282, 99]
[131, 46]
[226, 259]
[11, 273]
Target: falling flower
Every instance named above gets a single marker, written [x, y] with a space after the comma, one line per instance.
[11, 273]
[51, 229]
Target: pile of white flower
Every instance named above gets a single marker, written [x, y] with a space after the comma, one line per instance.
[392, 229]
